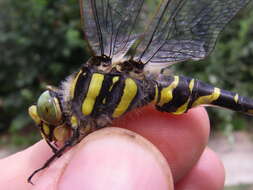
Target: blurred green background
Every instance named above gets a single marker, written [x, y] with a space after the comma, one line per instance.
[41, 43]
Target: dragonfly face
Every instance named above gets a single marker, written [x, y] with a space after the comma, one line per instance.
[48, 115]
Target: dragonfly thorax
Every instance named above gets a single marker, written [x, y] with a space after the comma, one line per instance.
[94, 95]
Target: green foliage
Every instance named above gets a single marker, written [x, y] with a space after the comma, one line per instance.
[239, 187]
[41, 43]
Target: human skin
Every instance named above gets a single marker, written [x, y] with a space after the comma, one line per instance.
[164, 151]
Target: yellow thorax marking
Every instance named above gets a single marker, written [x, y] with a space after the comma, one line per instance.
[129, 92]
[114, 80]
[208, 99]
[236, 97]
[183, 107]
[93, 91]
[166, 93]
[73, 85]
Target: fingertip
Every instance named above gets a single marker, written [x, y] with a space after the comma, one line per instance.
[208, 174]
[18, 167]
[114, 158]
[181, 138]
[49, 178]
[104, 157]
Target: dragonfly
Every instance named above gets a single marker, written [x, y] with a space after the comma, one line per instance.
[128, 64]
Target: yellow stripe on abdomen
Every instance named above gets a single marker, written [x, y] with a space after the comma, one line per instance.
[166, 93]
[93, 92]
[129, 92]
[183, 108]
[208, 99]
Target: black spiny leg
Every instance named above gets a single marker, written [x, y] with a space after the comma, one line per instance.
[71, 142]
[54, 150]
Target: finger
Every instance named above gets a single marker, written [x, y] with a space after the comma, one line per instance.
[110, 158]
[207, 174]
[19, 166]
[181, 138]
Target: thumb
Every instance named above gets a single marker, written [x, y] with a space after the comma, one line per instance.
[111, 158]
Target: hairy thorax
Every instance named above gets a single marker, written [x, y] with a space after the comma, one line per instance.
[93, 98]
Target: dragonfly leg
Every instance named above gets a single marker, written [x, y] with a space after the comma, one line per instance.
[71, 142]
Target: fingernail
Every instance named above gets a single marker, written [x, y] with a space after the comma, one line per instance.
[114, 158]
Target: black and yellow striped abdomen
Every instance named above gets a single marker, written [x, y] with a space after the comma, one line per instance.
[177, 94]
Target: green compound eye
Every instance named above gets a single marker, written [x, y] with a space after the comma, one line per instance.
[48, 108]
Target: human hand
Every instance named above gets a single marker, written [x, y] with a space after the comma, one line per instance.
[114, 158]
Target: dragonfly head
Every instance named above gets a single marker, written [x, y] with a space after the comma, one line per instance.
[48, 115]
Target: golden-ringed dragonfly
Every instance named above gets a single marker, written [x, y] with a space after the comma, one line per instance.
[127, 67]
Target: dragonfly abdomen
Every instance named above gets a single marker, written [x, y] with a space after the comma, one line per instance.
[234, 102]
[177, 94]
[173, 94]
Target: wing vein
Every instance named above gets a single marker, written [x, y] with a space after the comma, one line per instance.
[153, 34]
[174, 14]
[95, 14]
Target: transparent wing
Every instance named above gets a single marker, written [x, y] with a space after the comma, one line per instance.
[110, 25]
[185, 30]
